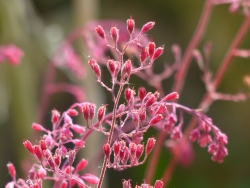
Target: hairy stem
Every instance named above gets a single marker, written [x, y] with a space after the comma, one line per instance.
[207, 100]
[104, 167]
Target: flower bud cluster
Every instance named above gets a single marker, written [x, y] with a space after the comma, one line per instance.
[127, 184]
[216, 146]
[126, 155]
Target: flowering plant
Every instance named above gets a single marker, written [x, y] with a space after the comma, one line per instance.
[125, 125]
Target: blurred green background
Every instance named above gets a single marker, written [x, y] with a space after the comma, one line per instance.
[37, 26]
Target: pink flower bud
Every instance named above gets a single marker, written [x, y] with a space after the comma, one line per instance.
[13, 54]
[142, 114]
[150, 99]
[100, 31]
[150, 145]
[27, 144]
[38, 152]
[194, 135]
[78, 143]
[151, 49]
[139, 151]
[72, 156]
[143, 56]
[171, 96]
[91, 111]
[176, 133]
[146, 27]
[141, 93]
[78, 128]
[158, 53]
[126, 155]
[84, 108]
[130, 25]
[158, 184]
[47, 153]
[67, 120]
[111, 67]
[126, 69]
[12, 170]
[37, 127]
[41, 173]
[101, 113]
[64, 184]
[204, 139]
[132, 147]
[51, 163]
[57, 158]
[32, 173]
[140, 46]
[96, 68]
[114, 33]
[90, 178]
[129, 94]
[72, 112]
[55, 116]
[116, 148]
[106, 150]
[157, 118]
[42, 144]
[126, 184]
[81, 165]
[161, 109]
[135, 119]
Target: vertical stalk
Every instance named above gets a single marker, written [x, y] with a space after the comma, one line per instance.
[179, 80]
[207, 100]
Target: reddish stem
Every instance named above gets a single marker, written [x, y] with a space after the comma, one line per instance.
[207, 100]
[181, 73]
[179, 80]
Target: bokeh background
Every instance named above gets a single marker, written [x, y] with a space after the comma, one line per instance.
[37, 27]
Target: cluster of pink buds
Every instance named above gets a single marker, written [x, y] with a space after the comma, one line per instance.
[158, 184]
[216, 146]
[127, 156]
